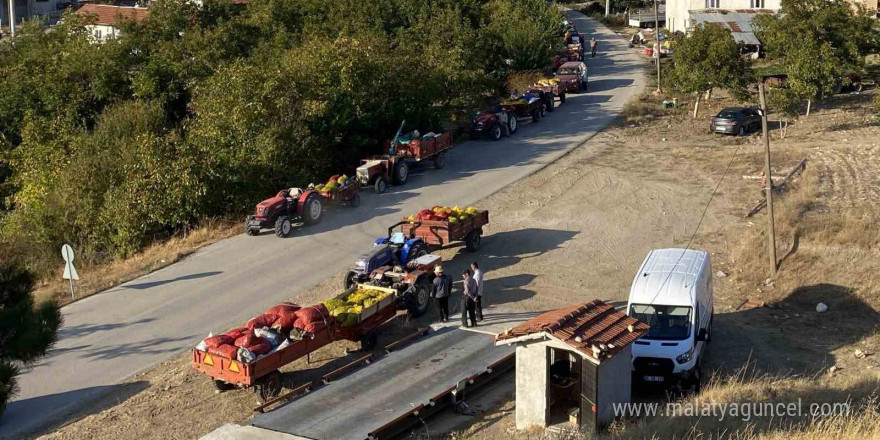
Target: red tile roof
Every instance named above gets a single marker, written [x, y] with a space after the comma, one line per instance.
[107, 15]
[583, 327]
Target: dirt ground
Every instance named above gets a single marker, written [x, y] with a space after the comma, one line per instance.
[578, 230]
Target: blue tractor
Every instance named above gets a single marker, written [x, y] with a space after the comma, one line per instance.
[394, 250]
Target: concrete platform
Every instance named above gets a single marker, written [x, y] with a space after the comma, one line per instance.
[366, 400]
[232, 431]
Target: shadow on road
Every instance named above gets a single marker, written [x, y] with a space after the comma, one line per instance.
[84, 329]
[150, 284]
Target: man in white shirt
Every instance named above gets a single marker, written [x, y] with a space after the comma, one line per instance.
[478, 277]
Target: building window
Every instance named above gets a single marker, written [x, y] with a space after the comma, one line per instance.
[757, 4]
[712, 4]
[98, 34]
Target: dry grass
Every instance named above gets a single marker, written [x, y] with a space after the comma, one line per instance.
[522, 79]
[95, 278]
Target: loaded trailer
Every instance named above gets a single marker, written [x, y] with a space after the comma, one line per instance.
[440, 233]
[402, 153]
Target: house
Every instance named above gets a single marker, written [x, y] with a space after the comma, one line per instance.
[678, 12]
[573, 365]
[108, 17]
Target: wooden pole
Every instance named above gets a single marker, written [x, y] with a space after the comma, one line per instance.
[657, 37]
[768, 187]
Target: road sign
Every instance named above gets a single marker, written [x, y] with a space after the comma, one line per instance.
[69, 270]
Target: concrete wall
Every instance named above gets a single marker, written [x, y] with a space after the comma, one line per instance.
[615, 385]
[531, 385]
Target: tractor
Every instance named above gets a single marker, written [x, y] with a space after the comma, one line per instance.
[281, 211]
[393, 250]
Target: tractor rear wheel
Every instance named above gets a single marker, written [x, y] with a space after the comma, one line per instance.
[473, 240]
[401, 172]
[351, 278]
[512, 122]
[496, 132]
[269, 386]
[380, 185]
[313, 210]
[355, 201]
[418, 250]
[283, 226]
[420, 298]
[439, 160]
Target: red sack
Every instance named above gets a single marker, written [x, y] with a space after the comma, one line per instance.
[261, 321]
[227, 351]
[283, 309]
[248, 340]
[237, 333]
[313, 314]
[216, 341]
[285, 322]
[311, 327]
[262, 347]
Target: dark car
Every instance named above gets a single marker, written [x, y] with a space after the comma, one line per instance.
[736, 120]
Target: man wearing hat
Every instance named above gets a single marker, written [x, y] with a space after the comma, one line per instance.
[440, 290]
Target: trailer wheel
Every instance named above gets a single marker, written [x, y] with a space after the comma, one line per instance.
[512, 122]
[282, 226]
[562, 98]
[369, 341]
[351, 278]
[355, 201]
[551, 102]
[419, 299]
[222, 385]
[496, 132]
[401, 173]
[536, 115]
[472, 241]
[440, 160]
[269, 386]
[380, 185]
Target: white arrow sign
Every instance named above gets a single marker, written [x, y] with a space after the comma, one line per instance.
[69, 270]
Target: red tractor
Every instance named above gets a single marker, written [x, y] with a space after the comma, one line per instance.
[288, 206]
[402, 153]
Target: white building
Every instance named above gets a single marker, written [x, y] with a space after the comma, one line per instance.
[107, 18]
[679, 12]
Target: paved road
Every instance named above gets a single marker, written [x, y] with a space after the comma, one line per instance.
[108, 337]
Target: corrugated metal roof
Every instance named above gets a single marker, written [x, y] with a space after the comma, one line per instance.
[583, 327]
[739, 21]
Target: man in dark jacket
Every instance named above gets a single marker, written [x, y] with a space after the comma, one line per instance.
[468, 300]
[440, 292]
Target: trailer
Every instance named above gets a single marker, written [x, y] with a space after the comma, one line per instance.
[552, 89]
[346, 195]
[264, 374]
[404, 152]
[520, 108]
[441, 232]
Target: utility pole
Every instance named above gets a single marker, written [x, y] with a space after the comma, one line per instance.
[12, 17]
[657, 49]
[607, 7]
[768, 185]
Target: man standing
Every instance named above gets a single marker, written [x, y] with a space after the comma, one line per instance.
[478, 278]
[440, 292]
[593, 46]
[468, 300]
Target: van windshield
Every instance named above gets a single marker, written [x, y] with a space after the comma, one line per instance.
[668, 323]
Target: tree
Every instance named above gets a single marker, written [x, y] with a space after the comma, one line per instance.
[527, 31]
[816, 42]
[26, 331]
[709, 58]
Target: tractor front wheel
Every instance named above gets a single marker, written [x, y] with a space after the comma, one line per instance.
[401, 172]
[496, 132]
[439, 160]
[512, 122]
[380, 185]
[283, 226]
[312, 210]
[536, 115]
[269, 386]
[247, 226]
[473, 240]
[420, 298]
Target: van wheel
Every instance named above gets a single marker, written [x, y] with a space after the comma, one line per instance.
[697, 380]
[709, 329]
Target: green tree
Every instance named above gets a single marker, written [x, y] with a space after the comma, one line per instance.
[27, 331]
[527, 31]
[709, 58]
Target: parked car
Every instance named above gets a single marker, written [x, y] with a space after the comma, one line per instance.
[672, 293]
[575, 74]
[736, 120]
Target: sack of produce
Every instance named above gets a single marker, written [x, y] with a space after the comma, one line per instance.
[237, 333]
[227, 351]
[216, 341]
[284, 323]
[261, 347]
[283, 308]
[245, 355]
[265, 320]
[274, 338]
[247, 340]
[313, 315]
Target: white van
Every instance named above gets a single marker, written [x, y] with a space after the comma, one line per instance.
[672, 293]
